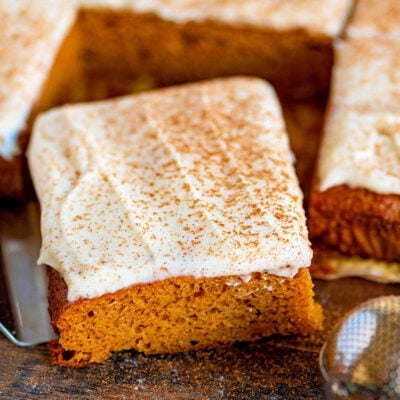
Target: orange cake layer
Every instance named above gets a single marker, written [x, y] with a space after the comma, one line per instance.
[174, 219]
[119, 47]
[304, 123]
[357, 222]
[13, 173]
[160, 52]
[180, 314]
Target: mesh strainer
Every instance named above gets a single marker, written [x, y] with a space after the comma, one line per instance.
[361, 360]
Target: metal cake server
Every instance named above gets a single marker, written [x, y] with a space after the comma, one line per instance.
[25, 283]
[361, 360]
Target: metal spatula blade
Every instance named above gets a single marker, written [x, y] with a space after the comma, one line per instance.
[25, 282]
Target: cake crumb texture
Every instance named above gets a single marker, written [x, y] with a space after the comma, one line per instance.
[180, 314]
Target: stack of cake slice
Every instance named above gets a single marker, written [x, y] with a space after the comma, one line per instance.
[355, 204]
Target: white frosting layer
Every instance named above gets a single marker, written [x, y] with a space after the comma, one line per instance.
[193, 181]
[375, 18]
[361, 145]
[325, 17]
[31, 32]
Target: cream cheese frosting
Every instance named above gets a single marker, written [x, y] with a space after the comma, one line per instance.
[361, 144]
[375, 18]
[195, 180]
[31, 32]
[325, 17]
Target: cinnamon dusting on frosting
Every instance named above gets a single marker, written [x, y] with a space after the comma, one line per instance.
[374, 18]
[31, 32]
[325, 17]
[361, 145]
[194, 180]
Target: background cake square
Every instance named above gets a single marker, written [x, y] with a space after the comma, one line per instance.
[355, 202]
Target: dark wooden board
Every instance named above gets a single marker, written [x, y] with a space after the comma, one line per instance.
[274, 368]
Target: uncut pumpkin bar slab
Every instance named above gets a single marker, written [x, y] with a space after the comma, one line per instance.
[354, 215]
[171, 221]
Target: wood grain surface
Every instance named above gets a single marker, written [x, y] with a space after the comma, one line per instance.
[275, 368]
